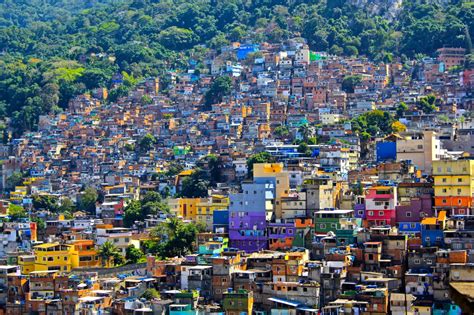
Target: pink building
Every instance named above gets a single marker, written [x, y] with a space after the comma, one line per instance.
[380, 202]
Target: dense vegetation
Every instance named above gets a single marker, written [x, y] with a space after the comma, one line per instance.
[52, 50]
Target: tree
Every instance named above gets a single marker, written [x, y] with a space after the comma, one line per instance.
[151, 196]
[46, 202]
[132, 213]
[350, 82]
[173, 238]
[427, 104]
[109, 254]
[262, 157]
[147, 142]
[281, 131]
[16, 212]
[151, 294]
[398, 127]
[133, 254]
[222, 86]
[304, 149]
[194, 186]
[402, 108]
[66, 205]
[16, 179]
[87, 200]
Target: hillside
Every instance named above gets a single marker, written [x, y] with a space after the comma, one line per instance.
[52, 50]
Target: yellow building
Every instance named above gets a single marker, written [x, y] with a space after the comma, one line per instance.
[26, 263]
[281, 178]
[206, 207]
[454, 185]
[85, 254]
[54, 256]
[184, 207]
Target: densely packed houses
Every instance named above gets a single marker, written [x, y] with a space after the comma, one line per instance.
[336, 220]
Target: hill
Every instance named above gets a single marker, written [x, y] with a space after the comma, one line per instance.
[52, 50]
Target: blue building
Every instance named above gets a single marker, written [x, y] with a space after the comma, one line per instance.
[244, 50]
[220, 221]
[432, 230]
[386, 151]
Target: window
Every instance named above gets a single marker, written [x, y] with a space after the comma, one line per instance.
[333, 225]
[448, 169]
[371, 213]
[445, 190]
[429, 261]
[361, 212]
[443, 201]
[459, 191]
[427, 239]
[439, 169]
[444, 180]
[408, 214]
[322, 226]
[381, 213]
[416, 261]
[459, 180]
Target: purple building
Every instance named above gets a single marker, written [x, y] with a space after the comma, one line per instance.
[359, 209]
[416, 210]
[247, 216]
[410, 215]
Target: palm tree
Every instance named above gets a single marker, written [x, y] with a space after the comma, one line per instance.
[166, 230]
[108, 252]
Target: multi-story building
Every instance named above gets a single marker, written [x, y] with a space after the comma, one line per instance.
[380, 202]
[247, 216]
[454, 186]
[421, 148]
[54, 256]
[274, 173]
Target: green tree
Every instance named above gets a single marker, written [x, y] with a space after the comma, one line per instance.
[222, 86]
[427, 104]
[132, 213]
[350, 82]
[46, 202]
[402, 108]
[87, 200]
[67, 205]
[16, 212]
[147, 142]
[281, 131]
[150, 294]
[16, 179]
[133, 254]
[195, 186]
[262, 157]
[109, 254]
[304, 149]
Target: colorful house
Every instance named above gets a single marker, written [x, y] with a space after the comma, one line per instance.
[238, 302]
[454, 185]
[54, 256]
[273, 173]
[432, 230]
[304, 233]
[207, 206]
[280, 236]
[380, 202]
[247, 216]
